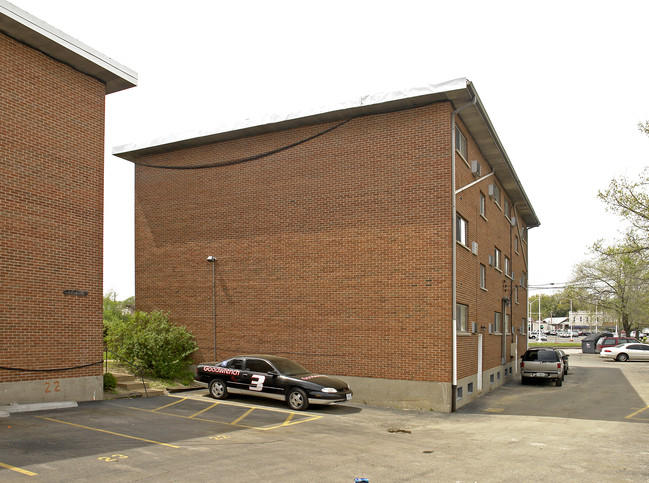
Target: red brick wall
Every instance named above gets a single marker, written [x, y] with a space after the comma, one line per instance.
[51, 213]
[335, 253]
[492, 230]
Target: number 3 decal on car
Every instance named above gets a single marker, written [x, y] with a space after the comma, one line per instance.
[257, 382]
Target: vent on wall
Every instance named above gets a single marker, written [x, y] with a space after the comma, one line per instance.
[476, 170]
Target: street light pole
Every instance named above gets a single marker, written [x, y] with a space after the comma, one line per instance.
[212, 260]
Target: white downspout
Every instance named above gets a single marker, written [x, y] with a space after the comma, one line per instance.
[454, 255]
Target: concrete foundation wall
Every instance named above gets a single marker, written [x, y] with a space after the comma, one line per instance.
[435, 396]
[52, 390]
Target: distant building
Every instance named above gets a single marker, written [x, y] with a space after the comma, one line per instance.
[52, 97]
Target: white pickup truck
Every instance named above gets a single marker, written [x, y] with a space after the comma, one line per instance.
[540, 363]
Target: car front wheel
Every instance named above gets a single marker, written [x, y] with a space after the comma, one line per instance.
[297, 399]
[218, 389]
[622, 357]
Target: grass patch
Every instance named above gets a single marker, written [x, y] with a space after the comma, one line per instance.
[569, 345]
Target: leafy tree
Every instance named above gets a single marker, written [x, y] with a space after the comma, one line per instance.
[629, 199]
[617, 278]
[115, 310]
[151, 341]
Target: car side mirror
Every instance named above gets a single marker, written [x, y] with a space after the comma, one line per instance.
[273, 373]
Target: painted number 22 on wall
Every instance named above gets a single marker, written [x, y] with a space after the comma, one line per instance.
[53, 386]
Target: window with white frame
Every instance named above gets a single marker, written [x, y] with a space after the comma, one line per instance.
[460, 143]
[516, 243]
[483, 205]
[507, 324]
[498, 322]
[508, 266]
[483, 277]
[461, 232]
[516, 294]
[497, 259]
[461, 314]
[506, 209]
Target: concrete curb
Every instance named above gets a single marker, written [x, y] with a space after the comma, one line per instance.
[5, 411]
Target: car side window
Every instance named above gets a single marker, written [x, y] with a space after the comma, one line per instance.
[634, 347]
[236, 364]
[609, 342]
[257, 365]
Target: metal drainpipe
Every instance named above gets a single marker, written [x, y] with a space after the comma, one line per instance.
[454, 255]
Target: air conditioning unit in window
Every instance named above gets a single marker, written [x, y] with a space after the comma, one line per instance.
[474, 248]
[513, 221]
[491, 260]
[474, 327]
[492, 191]
[476, 169]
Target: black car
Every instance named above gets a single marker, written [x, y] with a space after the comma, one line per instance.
[272, 377]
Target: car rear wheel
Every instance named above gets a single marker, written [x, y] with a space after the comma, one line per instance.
[218, 389]
[297, 399]
[524, 380]
[622, 357]
[560, 382]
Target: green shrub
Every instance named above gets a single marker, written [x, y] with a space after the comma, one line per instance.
[149, 340]
[110, 383]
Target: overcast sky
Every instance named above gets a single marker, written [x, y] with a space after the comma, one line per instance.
[565, 84]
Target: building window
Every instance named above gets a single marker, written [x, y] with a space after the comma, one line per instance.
[461, 314]
[483, 277]
[506, 210]
[498, 327]
[508, 266]
[460, 143]
[523, 327]
[508, 329]
[483, 205]
[523, 279]
[516, 243]
[469, 388]
[516, 294]
[497, 258]
[461, 232]
[459, 392]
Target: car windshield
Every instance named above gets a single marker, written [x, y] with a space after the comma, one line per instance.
[289, 368]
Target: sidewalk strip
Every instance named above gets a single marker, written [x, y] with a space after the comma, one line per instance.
[19, 470]
[109, 432]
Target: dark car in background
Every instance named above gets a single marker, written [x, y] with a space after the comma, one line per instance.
[271, 377]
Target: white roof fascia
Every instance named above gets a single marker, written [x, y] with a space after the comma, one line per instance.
[26, 28]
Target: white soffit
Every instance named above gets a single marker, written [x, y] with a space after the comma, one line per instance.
[26, 28]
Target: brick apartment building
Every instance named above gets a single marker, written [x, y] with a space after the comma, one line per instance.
[52, 94]
[344, 240]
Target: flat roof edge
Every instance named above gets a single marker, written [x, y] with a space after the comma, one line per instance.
[370, 104]
[41, 36]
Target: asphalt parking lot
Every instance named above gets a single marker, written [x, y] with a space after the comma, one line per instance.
[593, 428]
